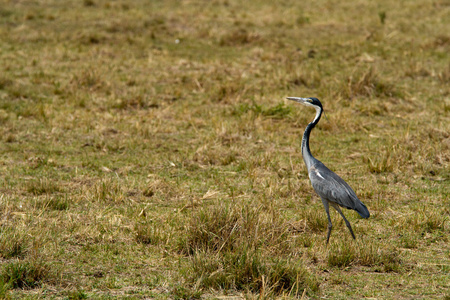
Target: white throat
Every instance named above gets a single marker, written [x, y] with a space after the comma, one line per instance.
[317, 113]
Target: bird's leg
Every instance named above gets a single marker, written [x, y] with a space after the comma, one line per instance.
[346, 221]
[330, 226]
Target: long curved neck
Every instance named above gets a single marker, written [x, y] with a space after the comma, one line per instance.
[306, 152]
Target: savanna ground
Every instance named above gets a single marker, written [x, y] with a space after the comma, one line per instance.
[147, 151]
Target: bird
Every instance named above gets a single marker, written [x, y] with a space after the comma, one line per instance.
[331, 188]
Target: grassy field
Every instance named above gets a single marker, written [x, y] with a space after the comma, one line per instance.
[147, 149]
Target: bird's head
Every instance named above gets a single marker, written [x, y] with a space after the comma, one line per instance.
[310, 101]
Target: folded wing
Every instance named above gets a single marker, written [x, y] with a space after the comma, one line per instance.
[330, 186]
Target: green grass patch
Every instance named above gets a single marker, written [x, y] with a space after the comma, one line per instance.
[13, 243]
[381, 258]
[25, 274]
[246, 270]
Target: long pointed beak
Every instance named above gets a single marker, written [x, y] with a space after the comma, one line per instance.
[297, 99]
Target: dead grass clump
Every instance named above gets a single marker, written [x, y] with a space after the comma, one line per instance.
[341, 255]
[410, 152]
[228, 227]
[423, 221]
[108, 190]
[380, 163]
[212, 230]
[248, 270]
[444, 75]
[367, 84]
[88, 3]
[136, 101]
[160, 188]
[344, 254]
[417, 70]
[150, 233]
[386, 258]
[12, 243]
[42, 186]
[88, 79]
[228, 246]
[278, 111]
[216, 155]
[316, 219]
[185, 292]
[4, 117]
[441, 41]
[5, 82]
[311, 80]
[227, 92]
[239, 37]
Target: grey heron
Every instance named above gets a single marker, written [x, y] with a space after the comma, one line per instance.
[331, 188]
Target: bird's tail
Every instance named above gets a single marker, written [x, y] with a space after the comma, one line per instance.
[362, 210]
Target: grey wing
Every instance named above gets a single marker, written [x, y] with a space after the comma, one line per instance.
[330, 186]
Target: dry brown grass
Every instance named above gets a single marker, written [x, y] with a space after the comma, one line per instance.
[146, 149]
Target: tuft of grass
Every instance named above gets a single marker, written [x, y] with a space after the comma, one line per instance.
[409, 240]
[316, 219]
[5, 82]
[150, 233]
[381, 162]
[341, 256]
[25, 274]
[226, 227]
[247, 270]
[42, 186]
[302, 20]
[382, 15]
[55, 203]
[444, 75]
[382, 258]
[239, 37]
[12, 243]
[367, 84]
[89, 79]
[76, 295]
[385, 257]
[228, 246]
[185, 293]
[4, 294]
[278, 111]
[423, 221]
[88, 3]
[212, 230]
[108, 190]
